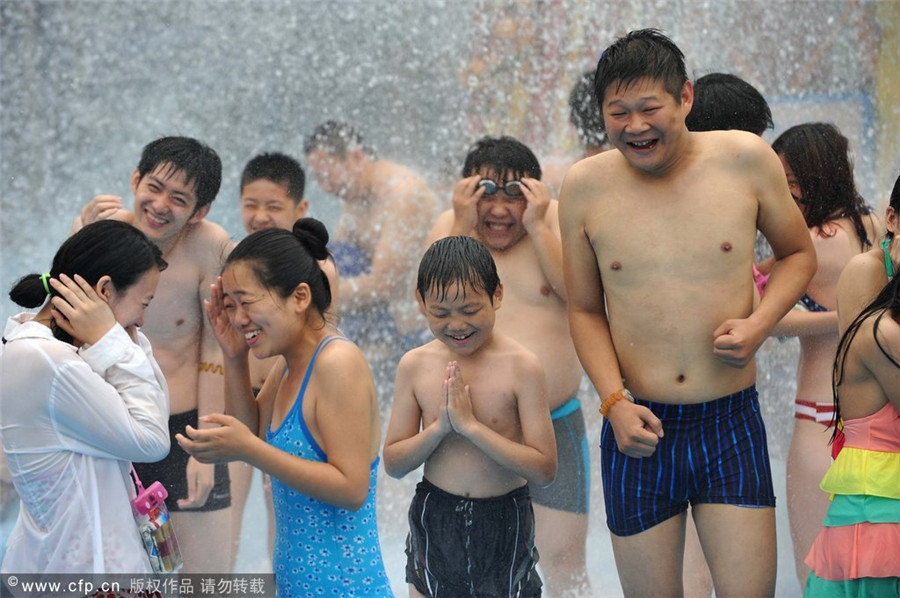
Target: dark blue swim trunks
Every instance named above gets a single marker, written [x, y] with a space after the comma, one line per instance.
[712, 452]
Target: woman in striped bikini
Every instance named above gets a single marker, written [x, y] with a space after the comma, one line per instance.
[820, 177]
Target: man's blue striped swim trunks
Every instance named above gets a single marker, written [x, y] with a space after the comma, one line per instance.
[711, 452]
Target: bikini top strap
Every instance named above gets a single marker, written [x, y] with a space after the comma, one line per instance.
[888, 263]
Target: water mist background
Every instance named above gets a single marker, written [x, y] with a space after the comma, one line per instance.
[85, 85]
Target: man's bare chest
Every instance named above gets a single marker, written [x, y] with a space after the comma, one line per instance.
[176, 309]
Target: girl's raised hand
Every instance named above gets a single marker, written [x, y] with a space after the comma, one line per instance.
[229, 338]
[79, 310]
[230, 441]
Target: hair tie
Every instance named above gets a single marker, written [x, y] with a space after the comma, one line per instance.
[45, 277]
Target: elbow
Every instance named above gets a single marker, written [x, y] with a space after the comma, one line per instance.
[161, 453]
[154, 448]
[159, 448]
[813, 265]
[355, 499]
[547, 474]
[392, 466]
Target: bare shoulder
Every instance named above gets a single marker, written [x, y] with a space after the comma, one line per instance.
[524, 361]
[208, 242]
[339, 359]
[591, 179]
[740, 144]
[875, 354]
[432, 351]
[403, 184]
[861, 267]
[442, 225]
[593, 167]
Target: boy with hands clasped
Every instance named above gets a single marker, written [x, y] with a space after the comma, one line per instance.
[502, 202]
[472, 407]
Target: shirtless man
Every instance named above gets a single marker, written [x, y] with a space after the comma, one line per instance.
[658, 241]
[513, 215]
[377, 242]
[174, 186]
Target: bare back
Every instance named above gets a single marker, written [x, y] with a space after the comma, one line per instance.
[836, 243]
[390, 228]
[870, 378]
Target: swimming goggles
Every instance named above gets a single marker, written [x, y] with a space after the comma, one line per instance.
[510, 188]
[888, 264]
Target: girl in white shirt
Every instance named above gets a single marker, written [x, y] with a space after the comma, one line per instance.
[81, 397]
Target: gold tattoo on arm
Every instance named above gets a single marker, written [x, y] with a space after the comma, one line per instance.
[212, 368]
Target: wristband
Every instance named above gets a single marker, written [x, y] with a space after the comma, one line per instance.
[614, 398]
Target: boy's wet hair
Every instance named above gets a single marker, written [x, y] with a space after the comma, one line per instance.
[200, 164]
[584, 112]
[336, 138]
[458, 260]
[642, 54]
[723, 102]
[278, 168]
[502, 155]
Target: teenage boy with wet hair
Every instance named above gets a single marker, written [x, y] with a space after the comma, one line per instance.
[174, 186]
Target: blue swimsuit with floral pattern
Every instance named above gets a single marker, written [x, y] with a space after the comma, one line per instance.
[320, 549]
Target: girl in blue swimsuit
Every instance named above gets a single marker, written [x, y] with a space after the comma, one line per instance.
[314, 426]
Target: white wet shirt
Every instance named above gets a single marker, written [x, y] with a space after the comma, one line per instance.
[71, 422]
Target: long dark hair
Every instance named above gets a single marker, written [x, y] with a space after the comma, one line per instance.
[105, 248]
[887, 302]
[819, 155]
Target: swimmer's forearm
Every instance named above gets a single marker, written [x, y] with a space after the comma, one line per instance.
[536, 466]
[210, 381]
[806, 323]
[238, 392]
[325, 482]
[595, 350]
[787, 282]
[408, 454]
[549, 252]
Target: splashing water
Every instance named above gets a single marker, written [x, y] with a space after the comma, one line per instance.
[81, 97]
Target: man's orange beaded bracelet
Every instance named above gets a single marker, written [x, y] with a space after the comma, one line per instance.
[614, 398]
